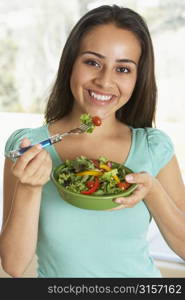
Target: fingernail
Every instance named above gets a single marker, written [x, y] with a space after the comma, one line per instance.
[129, 178]
[118, 201]
[39, 146]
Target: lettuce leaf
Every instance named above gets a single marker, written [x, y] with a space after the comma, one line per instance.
[87, 120]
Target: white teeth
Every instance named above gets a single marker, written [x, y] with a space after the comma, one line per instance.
[100, 97]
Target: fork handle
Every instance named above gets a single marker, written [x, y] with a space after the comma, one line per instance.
[17, 153]
[53, 139]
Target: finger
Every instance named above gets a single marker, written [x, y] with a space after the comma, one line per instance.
[25, 142]
[38, 172]
[25, 158]
[42, 175]
[135, 177]
[117, 207]
[140, 178]
[44, 171]
[34, 165]
[133, 199]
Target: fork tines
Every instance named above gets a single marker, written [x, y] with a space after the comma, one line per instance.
[83, 126]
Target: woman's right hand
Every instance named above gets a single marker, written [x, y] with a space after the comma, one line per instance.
[33, 168]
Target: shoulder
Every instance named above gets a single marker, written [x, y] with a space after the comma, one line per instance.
[153, 137]
[158, 140]
[15, 138]
[157, 145]
[151, 133]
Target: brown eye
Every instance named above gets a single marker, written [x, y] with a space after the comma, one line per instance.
[92, 63]
[123, 70]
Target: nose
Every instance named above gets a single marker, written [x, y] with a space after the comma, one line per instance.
[104, 78]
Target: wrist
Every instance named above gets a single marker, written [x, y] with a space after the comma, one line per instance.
[154, 190]
[29, 188]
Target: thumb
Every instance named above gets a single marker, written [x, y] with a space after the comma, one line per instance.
[25, 142]
[140, 177]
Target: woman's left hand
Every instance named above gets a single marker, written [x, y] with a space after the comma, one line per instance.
[144, 183]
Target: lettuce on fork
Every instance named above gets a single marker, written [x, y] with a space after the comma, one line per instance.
[91, 122]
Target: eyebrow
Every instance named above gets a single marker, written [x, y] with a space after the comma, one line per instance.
[121, 60]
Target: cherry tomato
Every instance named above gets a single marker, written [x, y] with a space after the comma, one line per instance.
[123, 185]
[96, 121]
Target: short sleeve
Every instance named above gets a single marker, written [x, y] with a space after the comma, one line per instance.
[14, 140]
[161, 148]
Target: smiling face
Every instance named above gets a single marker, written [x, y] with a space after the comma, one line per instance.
[105, 71]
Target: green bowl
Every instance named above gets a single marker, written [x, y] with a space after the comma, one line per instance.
[90, 202]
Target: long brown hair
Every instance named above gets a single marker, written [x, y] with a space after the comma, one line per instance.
[139, 111]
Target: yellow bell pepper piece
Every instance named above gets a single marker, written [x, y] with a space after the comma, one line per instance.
[105, 167]
[90, 172]
[116, 178]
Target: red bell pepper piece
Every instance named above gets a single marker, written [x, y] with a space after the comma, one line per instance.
[93, 188]
[90, 184]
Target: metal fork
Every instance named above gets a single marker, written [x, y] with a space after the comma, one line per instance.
[52, 140]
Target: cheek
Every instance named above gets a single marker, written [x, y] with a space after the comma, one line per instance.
[79, 77]
[127, 86]
[132, 86]
[75, 83]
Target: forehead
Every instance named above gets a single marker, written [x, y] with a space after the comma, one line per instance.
[112, 42]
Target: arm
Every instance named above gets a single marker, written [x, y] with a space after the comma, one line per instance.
[165, 198]
[166, 201]
[23, 182]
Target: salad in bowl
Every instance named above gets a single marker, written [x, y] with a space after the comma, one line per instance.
[92, 183]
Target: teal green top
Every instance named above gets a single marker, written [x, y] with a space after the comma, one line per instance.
[74, 242]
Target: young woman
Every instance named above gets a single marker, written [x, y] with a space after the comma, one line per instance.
[106, 69]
